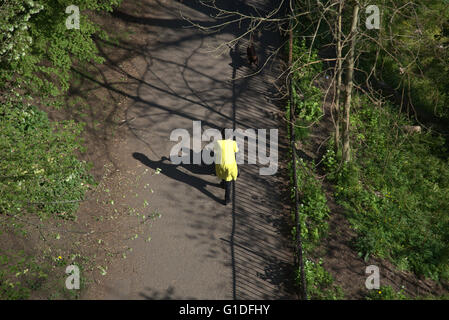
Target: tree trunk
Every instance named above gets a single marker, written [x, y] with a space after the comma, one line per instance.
[349, 85]
[338, 84]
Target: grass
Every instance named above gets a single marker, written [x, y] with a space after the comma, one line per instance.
[314, 214]
[313, 210]
[395, 191]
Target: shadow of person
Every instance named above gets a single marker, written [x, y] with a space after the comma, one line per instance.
[172, 171]
[236, 59]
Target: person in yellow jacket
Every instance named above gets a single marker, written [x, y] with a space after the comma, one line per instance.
[226, 164]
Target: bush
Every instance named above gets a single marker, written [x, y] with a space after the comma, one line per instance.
[313, 214]
[313, 209]
[320, 284]
[40, 174]
[386, 293]
[395, 192]
[19, 274]
[306, 96]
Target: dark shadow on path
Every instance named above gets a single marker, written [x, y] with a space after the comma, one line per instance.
[200, 168]
[168, 294]
[171, 170]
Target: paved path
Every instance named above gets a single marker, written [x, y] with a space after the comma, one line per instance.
[201, 249]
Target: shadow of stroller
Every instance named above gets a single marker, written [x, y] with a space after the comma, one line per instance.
[171, 170]
[201, 168]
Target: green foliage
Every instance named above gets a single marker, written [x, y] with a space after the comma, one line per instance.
[414, 51]
[313, 214]
[330, 161]
[306, 96]
[396, 188]
[15, 37]
[22, 275]
[386, 293]
[395, 192]
[19, 275]
[313, 209]
[40, 174]
[40, 50]
[320, 284]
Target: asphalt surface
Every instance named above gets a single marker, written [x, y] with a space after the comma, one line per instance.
[200, 248]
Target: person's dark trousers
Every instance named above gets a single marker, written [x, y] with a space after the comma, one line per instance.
[228, 186]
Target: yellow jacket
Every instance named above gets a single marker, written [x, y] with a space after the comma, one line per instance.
[225, 163]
